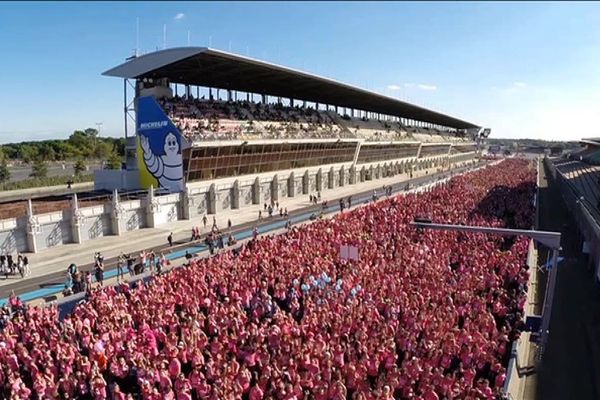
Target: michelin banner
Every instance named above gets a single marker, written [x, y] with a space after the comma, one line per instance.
[159, 148]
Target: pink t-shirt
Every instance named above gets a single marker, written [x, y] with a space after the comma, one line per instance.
[174, 368]
[255, 393]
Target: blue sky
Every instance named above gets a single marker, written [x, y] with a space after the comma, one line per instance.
[523, 69]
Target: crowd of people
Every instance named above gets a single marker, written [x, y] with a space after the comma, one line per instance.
[11, 266]
[420, 315]
[202, 119]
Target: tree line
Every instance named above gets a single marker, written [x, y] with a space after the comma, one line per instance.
[81, 146]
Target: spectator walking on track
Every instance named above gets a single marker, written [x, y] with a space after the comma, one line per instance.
[120, 269]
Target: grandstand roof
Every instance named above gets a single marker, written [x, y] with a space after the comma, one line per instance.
[202, 66]
[592, 141]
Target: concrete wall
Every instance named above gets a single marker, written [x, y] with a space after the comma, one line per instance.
[135, 215]
[224, 197]
[13, 236]
[55, 229]
[298, 186]
[198, 204]
[246, 188]
[265, 191]
[168, 210]
[97, 222]
[283, 189]
[38, 232]
[312, 183]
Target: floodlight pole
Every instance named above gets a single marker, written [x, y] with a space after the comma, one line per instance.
[547, 238]
[125, 107]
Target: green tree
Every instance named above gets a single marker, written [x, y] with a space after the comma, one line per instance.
[4, 172]
[79, 167]
[103, 150]
[82, 142]
[46, 151]
[114, 161]
[91, 133]
[28, 153]
[39, 169]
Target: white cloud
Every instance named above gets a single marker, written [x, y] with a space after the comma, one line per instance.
[393, 87]
[179, 16]
[519, 84]
[424, 86]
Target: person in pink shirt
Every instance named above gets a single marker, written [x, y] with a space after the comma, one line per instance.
[255, 393]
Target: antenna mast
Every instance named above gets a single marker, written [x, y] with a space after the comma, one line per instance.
[137, 37]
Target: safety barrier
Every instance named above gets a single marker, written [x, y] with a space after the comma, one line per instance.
[521, 350]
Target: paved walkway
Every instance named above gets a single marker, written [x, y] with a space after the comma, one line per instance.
[48, 266]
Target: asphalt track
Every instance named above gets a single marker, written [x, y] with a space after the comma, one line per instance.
[52, 284]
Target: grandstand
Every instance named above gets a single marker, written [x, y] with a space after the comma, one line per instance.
[300, 119]
[582, 170]
[578, 175]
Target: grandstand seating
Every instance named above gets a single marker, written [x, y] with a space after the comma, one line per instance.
[201, 119]
[217, 120]
[584, 177]
[424, 315]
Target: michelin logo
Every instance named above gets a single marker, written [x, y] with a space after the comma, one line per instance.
[168, 168]
[153, 125]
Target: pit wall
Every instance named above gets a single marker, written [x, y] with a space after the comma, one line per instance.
[36, 232]
[523, 352]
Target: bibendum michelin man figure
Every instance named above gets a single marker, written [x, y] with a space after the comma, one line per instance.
[167, 169]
